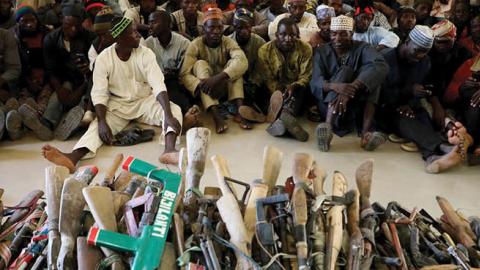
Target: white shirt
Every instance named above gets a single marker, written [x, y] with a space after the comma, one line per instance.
[378, 36]
[307, 26]
[120, 85]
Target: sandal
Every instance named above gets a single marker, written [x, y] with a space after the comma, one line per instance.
[70, 123]
[133, 136]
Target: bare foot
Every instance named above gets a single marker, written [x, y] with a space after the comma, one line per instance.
[169, 158]
[53, 155]
[220, 125]
[191, 118]
[458, 135]
[242, 122]
[446, 162]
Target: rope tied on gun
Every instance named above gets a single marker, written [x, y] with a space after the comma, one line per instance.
[108, 261]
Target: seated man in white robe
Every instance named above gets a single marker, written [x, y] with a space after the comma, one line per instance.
[127, 85]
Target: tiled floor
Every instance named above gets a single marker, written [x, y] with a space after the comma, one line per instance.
[398, 175]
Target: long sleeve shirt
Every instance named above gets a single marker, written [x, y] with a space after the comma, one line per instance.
[120, 85]
[307, 26]
[169, 57]
[368, 66]
[376, 36]
[251, 52]
[217, 57]
[180, 24]
[10, 67]
[60, 60]
[279, 72]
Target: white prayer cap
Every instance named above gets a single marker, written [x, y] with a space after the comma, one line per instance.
[422, 36]
[341, 22]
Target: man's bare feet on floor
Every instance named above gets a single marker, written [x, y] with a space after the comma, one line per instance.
[445, 162]
[169, 158]
[191, 118]
[54, 155]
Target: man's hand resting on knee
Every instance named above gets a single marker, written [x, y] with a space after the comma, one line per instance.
[215, 85]
[105, 132]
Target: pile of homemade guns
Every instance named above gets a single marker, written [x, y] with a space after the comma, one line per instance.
[150, 218]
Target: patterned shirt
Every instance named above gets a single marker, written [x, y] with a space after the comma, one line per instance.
[279, 72]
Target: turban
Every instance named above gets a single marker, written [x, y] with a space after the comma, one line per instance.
[422, 36]
[74, 10]
[23, 10]
[89, 4]
[363, 6]
[445, 30]
[324, 11]
[212, 13]
[341, 22]
[103, 19]
[120, 26]
[243, 14]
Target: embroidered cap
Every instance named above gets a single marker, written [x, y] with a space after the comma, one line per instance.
[341, 22]
[422, 36]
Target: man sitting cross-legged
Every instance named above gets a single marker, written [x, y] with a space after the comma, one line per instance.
[127, 85]
[286, 66]
[346, 78]
[213, 68]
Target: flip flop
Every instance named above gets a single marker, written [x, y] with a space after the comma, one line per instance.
[374, 140]
[251, 114]
[277, 128]
[396, 139]
[31, 119]
[276, 103]
[133, 136]
[13, 124]
[409, 147]
[324, 136]
[293, 127]
[70, 123]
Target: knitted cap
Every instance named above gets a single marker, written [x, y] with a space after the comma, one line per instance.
[422, 36]
[118, 26]
[444, 29]
[89, 4]
[23, 10]
[103, 19]
[212, 13]
[323, 11]
[341, 22]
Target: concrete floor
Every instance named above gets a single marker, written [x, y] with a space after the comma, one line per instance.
[398, 175]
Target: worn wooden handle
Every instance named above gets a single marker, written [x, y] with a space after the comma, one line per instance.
[363, 178]
[257, 190]
[198, 140]
[302, 165]
[272, 162]
[221, 169]
[319, 176]
[110, 175]
[353, 214]
[463, 232]
[100, 202]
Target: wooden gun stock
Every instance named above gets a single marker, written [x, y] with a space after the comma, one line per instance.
[110, 175]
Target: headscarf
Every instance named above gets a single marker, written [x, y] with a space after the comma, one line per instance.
[445, 29]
